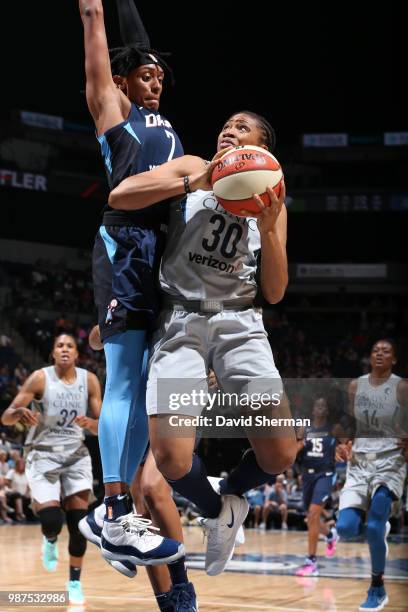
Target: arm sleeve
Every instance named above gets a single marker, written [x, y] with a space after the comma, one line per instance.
[132, 30]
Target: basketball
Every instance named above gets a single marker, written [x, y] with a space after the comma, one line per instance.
[242, 172]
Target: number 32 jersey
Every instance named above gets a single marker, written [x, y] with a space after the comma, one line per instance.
[210, 253]
[60, 405]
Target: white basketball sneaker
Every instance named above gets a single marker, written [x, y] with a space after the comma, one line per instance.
[222, 531]
[215, 483]
[131, 538]
[91, 528]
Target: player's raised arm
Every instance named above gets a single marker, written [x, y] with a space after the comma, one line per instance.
[174, 178]
[272, 224]
[18, 411]
[104, 98]
[132, 30]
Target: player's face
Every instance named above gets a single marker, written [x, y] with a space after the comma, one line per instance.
[65, 351]
[382, 355]
[240, 130]
[145, 85]
[320, 408]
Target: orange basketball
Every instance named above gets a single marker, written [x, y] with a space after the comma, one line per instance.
[242, 172]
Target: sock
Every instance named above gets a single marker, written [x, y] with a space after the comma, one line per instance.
[247, 475]
[52, 539]
[330, 535]
[163, 600]
[377, 580]
[74, 573]
[116, 506]
[195, 487]
[178, 571]
[312, 558]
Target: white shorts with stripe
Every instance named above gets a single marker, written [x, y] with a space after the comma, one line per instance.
[365, 475]
[233, 343]
[55, 475]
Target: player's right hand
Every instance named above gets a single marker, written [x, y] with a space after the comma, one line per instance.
[344, 451]
[26, 416]
[203, 178]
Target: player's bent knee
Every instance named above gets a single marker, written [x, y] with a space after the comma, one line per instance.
[51, 520]
[349, 523]
[155, 492]
[77, 542]
[172, 467]
[273, 464]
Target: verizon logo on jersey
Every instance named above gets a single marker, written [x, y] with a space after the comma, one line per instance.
[211, 262]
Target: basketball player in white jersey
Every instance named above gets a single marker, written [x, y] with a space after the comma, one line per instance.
[376, 471]
[59, 467]
[207, 275]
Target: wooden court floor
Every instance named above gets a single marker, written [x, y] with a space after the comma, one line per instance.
[259, 576]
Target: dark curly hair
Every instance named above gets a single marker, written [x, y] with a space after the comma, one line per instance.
[125, 59]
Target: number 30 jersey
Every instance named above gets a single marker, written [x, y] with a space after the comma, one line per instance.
[210, 253]
[377, 411]
[59, 406]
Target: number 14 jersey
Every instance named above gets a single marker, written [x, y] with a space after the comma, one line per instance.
[377, 413]
[59, 406]
[210, 253]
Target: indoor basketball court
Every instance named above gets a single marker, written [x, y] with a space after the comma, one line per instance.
[259, 577]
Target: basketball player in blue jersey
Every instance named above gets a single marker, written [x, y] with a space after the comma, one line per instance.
[377, 469]
[317, 461]
[58, 465]
[207, 276]
[123, 97]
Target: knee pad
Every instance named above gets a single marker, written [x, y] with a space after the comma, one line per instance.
[51, 521]
[349, 522]
[77, 542]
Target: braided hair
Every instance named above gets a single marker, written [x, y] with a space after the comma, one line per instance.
[267, 130]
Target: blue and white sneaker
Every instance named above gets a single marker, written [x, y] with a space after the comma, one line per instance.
[131, 538]
[91, 528]
[184, 598]
[222, 532]
[376, 600]
[49, 555]
[75, 594]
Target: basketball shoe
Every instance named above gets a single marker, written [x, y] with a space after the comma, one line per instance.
[309, 568]
[75, 594]
[91, 528]
[221, 532]
[377, 598]
[215, 483]
[49, 555]
[184, 598]
[129, 537]
[331, 543]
